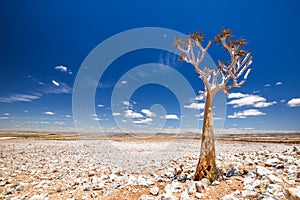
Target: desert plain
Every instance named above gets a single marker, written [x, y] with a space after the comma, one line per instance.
[35, 165]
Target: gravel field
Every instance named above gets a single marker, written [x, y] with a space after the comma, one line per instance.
[144, 169]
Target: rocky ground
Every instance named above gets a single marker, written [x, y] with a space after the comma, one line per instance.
[145, 169]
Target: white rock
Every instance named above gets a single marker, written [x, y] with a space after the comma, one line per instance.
[273, 189]
[191, 187]
[154, 190]
[142, 181]
[184, 196]
[274, 179]
[229, 197]
[262, 171]
[166, 197]
[132, 180]
[170, 188]
[108, 193]
[248, 180]
[146, 197]
[292, 193]
[20, 187]
[112, 177]
[272, 162]
[200, 187]
[205, 181]
[215, 183]
[98, 186]
[249, 193]
[268, 197]
[198, 195]
[43, 196]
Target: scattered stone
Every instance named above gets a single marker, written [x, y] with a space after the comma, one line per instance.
[184, 196]
[292, 193]
[43, 196]
[215, 183]
[272, 162]
[170, 188]
[205, 181]
[154, 190]
[200, 187]
[108, 193]
[166, 197]
[191, 187]
[249, 193]
[146, 197]
[274, 179]
[94, 195]
[229, 197]
[20, 187]
[198, 195]
[262, 171]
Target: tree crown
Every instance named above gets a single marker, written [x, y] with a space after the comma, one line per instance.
[233, 73]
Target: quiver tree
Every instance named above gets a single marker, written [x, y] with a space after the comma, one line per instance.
[229, 74]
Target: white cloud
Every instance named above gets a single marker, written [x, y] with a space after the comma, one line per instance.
[237, 95]
[61, 68]
[282, 100]
[279, 83]
[59, 123]
[246, 101]
[100, 105]
[19, 97]
[116, 114]
[143, 121]
[6, 114]
[148, 113]
[126, 103]
[55, 83]
[58, 88]
[2, 118]
[249, 100]
[197, 106]
[132, 114]
[264, 104]
[94, 115]
[49, 113]
[170, 116]
[123, 82]
[267, 85]
[199, 97]
[246, 113]
[96, 119]
[294, 102]
[124, 120]
[68, 116]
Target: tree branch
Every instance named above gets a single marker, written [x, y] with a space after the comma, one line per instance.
[237, 66]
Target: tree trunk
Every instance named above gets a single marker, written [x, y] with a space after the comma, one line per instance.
[206, 167]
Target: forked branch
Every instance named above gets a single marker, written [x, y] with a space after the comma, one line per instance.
[230, 74]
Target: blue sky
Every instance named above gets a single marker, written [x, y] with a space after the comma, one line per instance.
[44, 43]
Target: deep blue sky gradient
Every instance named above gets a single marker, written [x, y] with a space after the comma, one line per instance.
[36, 36]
